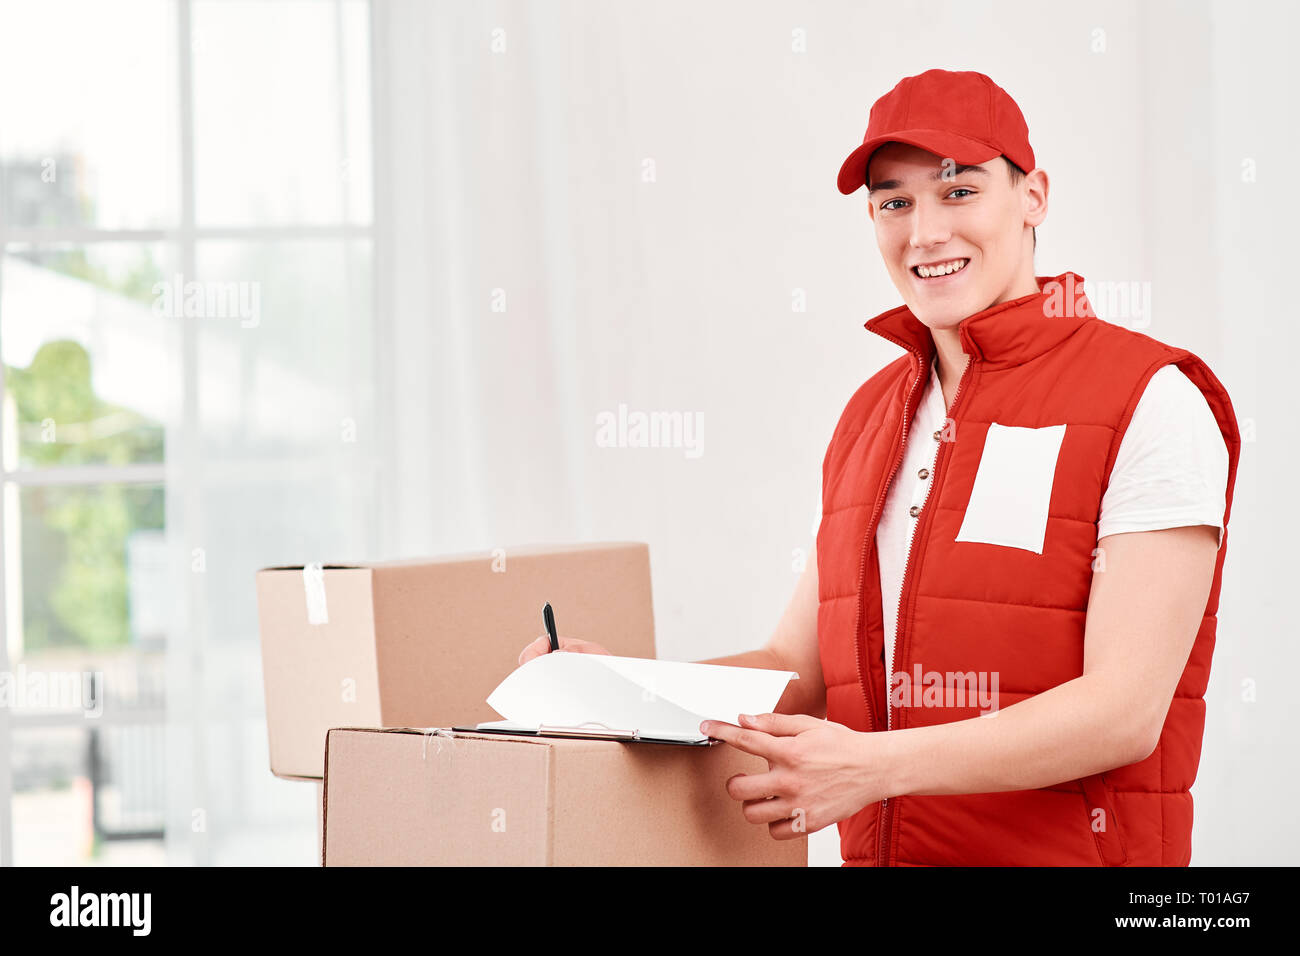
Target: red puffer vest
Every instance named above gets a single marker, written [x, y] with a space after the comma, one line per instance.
[1038, 361]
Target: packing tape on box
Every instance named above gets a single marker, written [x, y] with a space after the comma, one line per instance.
[313, 583]
[437, 733]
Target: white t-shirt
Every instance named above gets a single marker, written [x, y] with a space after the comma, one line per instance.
[1171, 470]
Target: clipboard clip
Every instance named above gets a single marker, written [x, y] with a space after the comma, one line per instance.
[589, 729]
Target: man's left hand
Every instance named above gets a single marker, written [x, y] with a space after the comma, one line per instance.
[818, 772]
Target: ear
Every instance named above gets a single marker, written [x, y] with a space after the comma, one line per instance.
[871, 210]
[1036, 186]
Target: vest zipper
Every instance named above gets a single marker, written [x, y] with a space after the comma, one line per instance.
[863, 682]
[886, 816]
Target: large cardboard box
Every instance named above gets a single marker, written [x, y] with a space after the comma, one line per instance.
[422, 642]
[407, 797]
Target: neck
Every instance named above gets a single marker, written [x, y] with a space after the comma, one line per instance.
[951, 359]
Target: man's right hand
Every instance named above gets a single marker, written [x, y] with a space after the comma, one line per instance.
[572, 644]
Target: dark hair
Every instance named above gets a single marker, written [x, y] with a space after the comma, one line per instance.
[1015, 174]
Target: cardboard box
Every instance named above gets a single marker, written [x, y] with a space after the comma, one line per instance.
[403, 797]
[422, 642]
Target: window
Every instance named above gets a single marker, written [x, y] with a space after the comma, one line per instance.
[185, 243]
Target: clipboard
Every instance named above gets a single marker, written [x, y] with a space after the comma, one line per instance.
[633, 700]
[587, 731]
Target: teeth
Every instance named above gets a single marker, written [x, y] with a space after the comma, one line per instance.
[943, 269]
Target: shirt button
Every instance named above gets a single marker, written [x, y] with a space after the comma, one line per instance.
[914, 511]
[923, 473]
[937, 435]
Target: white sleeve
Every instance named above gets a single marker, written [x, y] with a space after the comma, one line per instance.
[1171, 469]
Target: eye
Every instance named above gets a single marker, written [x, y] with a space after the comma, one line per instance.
[961, 189]
[886, 205]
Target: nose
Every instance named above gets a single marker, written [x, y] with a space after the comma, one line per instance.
[929, 225]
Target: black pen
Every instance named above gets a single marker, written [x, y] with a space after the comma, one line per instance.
[549, 617]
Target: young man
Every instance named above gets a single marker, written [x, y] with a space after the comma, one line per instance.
[1009, 623]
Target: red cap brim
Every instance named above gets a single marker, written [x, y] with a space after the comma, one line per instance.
[961, 149]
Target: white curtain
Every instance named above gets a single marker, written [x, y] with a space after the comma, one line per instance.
[653, 189]
[588, 205]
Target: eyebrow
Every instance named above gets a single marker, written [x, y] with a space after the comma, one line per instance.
[937, 174]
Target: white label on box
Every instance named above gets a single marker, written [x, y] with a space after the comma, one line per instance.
[313, 582]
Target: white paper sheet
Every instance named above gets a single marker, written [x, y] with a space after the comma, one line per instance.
[654, 698]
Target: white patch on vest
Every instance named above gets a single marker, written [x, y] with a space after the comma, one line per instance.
[1013, 487]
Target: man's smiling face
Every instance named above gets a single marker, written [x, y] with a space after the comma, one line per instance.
[970, 223]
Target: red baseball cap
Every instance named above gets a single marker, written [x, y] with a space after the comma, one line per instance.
[961, 115]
